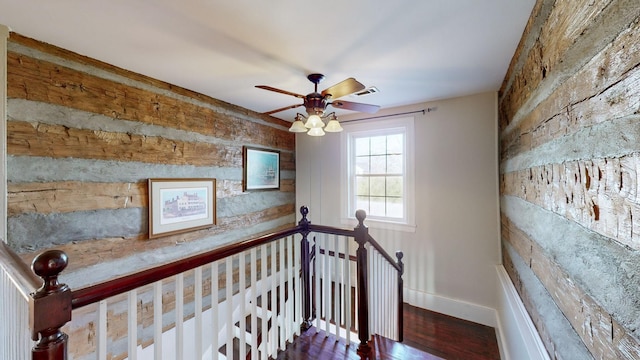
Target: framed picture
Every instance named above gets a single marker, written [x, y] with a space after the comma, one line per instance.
[261, 169]
[181, 205]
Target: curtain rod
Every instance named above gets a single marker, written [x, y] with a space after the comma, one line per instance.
[423, 111]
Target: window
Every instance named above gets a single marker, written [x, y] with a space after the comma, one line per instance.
[378, 175]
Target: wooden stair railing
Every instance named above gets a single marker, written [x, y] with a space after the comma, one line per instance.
[362, 238]
[51, 305]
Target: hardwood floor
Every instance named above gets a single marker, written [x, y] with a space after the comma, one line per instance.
[448, 337]
[427, 335]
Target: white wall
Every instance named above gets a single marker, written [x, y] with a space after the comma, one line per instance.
[450, 259]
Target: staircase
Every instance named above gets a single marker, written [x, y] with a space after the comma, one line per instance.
[249, 300]
[316, 344]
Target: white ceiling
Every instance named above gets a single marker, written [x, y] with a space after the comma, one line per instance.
[412, 51]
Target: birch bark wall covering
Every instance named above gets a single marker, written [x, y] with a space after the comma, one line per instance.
[83, 137]
[569, 111]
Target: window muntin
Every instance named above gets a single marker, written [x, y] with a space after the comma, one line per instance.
[378, 173]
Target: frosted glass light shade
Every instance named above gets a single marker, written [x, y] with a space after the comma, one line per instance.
[314, 121]
[317, 131]
[333, 126]
[298, 126]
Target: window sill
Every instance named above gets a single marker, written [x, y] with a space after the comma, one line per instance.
[380, 224]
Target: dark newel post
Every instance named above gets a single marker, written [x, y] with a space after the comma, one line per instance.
[361, 237]
[305, 265]
[399, 256]
[49, 307]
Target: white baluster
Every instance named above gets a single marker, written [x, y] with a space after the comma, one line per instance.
[132, 331]
[157, 320]
[336, 286]
[179, 315]
[318, 274]
[347, 289]
[102, 330]
[263, 302]
[254, 304]
[242, 310]
[282, 286]
[229, 306]
[274, 300]
[297, 285]
[198, 312]
[291, 299]
[215, 323]
[327, 286]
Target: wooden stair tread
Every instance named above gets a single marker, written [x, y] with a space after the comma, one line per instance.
[316, 345]
[384, 348]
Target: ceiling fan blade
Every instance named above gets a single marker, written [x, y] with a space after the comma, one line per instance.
[348, 105]
[282, 109]
[345, 87]
[265, 87]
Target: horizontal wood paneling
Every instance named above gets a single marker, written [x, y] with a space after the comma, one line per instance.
[606, 88]
[89, 252]
[597, 328]
[71, 58]
[569, 173]
[39, 80]
[599, 194]
[83, 137]
[68, 196]
[60, 141]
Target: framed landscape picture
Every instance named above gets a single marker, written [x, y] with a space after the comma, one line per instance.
[261, 170]
[180, 205]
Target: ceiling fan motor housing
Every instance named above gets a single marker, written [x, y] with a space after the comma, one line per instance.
[315, 103]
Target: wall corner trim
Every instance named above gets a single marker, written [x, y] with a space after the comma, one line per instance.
[4, 35]
[4, 31]
[518, 337]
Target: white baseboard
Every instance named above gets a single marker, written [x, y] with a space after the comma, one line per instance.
[517, 335]
[452, 307]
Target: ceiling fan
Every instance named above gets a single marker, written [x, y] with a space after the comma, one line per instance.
[316, 103]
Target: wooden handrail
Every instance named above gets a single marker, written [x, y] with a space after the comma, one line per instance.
[24, 279]
[107, 289]
[51, 303]
[348, 232]
[323, 229]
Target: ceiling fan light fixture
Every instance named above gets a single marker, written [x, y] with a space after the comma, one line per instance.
[298, 126]
[314, 121]
[317, 131]
[333, 126]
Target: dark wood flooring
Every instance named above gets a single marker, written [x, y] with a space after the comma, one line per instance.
[427, 335]
[447, 336]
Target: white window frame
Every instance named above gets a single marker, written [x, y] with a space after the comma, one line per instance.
[373, 128]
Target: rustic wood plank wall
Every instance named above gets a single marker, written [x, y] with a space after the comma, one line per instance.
[569, 112]
[83, 137]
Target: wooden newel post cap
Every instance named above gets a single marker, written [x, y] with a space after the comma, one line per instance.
[304, 211]
[48, 265]
[50, 305]
[399, 256]
[304, 222]
[361, 215]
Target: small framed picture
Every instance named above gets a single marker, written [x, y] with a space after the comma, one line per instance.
[261, 169]
[181, 205]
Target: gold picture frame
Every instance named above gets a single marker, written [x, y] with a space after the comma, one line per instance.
[181, 205]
